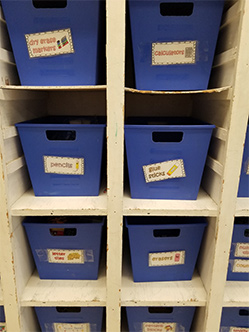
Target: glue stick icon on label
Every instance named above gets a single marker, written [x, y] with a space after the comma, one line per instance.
[172, 170]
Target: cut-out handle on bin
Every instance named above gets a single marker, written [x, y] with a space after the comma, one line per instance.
[61, 135]
[166, 232]
[68, 309]
[63, 231]
[49, 3]
[167, 136]
[176, 8]
[246, 232]
[160, 310]
[244, 312]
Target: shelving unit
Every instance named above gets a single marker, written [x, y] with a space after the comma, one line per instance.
[225, 104]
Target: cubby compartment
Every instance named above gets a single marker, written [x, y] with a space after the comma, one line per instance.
[50, 44]
[173, 43]
[223, 105]
[143, 319]
[164, 249]
[234, 319]
[66, 318]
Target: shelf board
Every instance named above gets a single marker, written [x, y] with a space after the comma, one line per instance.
[236, 294]
[65, 292]
[173, 293]
[30, 205]
[54, 88]
[215, 90]
[242, 207]
[203, 206]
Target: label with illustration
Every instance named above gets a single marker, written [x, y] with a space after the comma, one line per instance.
[241, 265]
[65, 256]
[159, 327]
[167, 258]
[64, 327]
[174, 53]
[239, 329]
[165, 170]
[49, 43]
[3, 327]
[242, 250]
[63, 165]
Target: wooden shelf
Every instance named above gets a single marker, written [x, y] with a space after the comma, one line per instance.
[55, 88]
[40, 292]
[242, 207]
[236, 294]
[30, 205]
[203, 206]
[170, 293]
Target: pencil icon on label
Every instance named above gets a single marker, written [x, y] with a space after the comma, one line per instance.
[77, 166]
[172, 170]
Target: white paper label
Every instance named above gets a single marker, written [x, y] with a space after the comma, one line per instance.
[63, 327]
[238, 329]
[167, 258]
[247, 169]
[3, 327]
[65, 256]
[49, 43]
[241, 265]
[159, 327]
[63, 165]
[242, 250]
[163, 171]
[173, 53]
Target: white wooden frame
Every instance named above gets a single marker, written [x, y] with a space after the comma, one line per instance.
[225, 104]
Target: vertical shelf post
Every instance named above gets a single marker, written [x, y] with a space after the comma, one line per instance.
[115, 53]
[8, 275]
[232, 166]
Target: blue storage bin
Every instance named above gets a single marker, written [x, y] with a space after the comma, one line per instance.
[145, 319]
[234, 319]
[2, 315]
[65, 156]
[164, 249]
[61, 319]
[55, 42]
[238, 268]
[166, 157]
[65, 248]
[244, 176]
[2, 319]
[174, 42]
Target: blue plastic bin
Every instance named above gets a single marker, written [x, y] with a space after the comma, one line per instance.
[164, 249]
[2, 319]
[145, 319]
[234, 319]
[53, 319]
[65, 250]
[65, 156]
[151, 141]
[174, 42]
[238, 268]
[2, 315]
[244, 176]
[55, 46]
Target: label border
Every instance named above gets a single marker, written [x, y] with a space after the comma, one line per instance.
[82, 164]
[147, 180]
[31, 55]
[154, 63]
